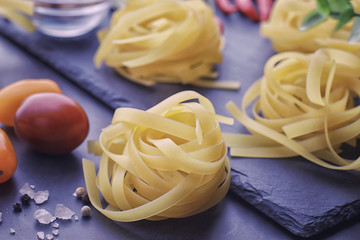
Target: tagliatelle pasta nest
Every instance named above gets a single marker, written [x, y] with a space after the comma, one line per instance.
[170, 41]
[14, 10]
[283, 29]
[167, 162]
[302, 106]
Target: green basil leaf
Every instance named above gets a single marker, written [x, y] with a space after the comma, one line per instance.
[355, 31]
[337, 7]
[344, 18]
[323, 7]
[313, 19]
[335, 15]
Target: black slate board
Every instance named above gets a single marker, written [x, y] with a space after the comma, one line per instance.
[304, 198]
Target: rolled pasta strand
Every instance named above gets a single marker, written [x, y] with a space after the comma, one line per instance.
[167, 162]
[310, 113]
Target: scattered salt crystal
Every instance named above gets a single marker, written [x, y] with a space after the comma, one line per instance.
[41, 235]
[12, 231]
[43, 216]
[26, 189]
[55, 225]
[76, 218]
[55, 232]
[63, 212]
[49, 236]
[0, 217]
[74, 194]
[41, 196]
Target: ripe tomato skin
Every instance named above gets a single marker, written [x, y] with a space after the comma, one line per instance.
[8, 160]
[12, 95]
[51, 123]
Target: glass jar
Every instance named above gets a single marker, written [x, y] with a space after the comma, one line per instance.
[69, 18]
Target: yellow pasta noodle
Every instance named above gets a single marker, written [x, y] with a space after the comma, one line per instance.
[303, 105]
[283, 29]
[14, 10]
[170, 41]
[167, 162]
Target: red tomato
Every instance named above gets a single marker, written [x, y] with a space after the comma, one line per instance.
[51, 123]
[8, 161]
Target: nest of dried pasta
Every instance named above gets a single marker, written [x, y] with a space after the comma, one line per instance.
[283, 29]
[163, 41]
[167, 162]
[303, 105]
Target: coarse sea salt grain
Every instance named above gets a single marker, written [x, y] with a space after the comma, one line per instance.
[41, 196]
[26, 189]
[55, 232]
[0, 217]
[49, 236]
[63, 212]
[12, 231]
[43, 216]
[55, 225]
[41, 235]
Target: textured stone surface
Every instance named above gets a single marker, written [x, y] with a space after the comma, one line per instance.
[300, 196]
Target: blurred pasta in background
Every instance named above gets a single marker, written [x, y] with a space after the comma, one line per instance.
[18, 11]
[286, 19]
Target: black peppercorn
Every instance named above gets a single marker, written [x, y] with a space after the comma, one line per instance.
[25, 199]
[17, 207]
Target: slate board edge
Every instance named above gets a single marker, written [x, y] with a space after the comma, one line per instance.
[309, 227]
[73, 73]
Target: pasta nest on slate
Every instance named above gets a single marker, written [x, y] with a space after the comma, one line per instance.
[162, 41]
[167, 162]
[303, 105]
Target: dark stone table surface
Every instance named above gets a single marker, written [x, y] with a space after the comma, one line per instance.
[296, 199]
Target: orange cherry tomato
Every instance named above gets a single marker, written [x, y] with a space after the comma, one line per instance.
[51, 123]
[12, 95]
[8, 161]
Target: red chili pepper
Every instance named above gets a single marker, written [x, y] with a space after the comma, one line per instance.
[247, 8]
[226, 6]
[264, 7]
